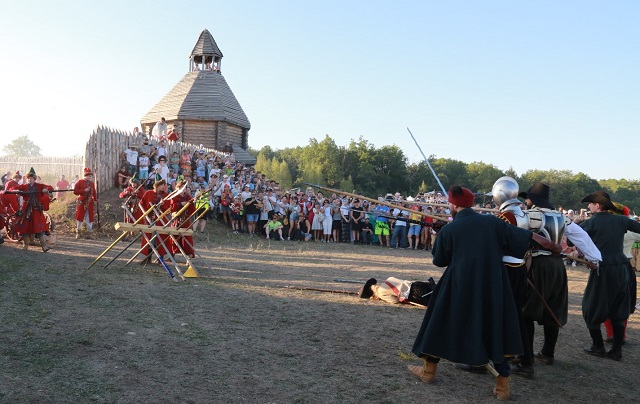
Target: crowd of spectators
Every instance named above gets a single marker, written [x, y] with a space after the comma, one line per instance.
[248, 202]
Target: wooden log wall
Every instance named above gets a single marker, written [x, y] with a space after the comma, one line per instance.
[48, 168]
[228, 132]
[212, 134]
[104, 149]
[200, 132]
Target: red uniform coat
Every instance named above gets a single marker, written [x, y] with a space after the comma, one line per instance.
[149, 199]
[32, 219]
[85, 199]
[11, 202]
[186, 242]
[133, 198]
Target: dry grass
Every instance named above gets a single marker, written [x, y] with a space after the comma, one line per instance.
[236, 334]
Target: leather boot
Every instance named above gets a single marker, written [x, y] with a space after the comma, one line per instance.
[43, 242]
[597, 347]
[501, 391]
[426, 372]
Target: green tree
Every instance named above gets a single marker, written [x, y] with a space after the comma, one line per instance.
[347, 185]
[21, 147]
[358, 162]
[313, 175]
[282, 174]
[263, 164]
[451, 172]
[320, 160]
[482, 176]
[423, 187]
[390, 169]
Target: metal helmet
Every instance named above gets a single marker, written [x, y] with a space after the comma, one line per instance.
[504, 189]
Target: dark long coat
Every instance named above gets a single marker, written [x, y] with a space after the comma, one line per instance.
[607, 293]
[472, 315]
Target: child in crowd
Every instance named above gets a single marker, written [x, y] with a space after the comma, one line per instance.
[237, 212]
[174, 162]
[171, 179]
[143, 166]
[273, 228]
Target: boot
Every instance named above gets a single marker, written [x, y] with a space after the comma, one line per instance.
[43, 242]
[426, 372]
[77, 234]
[146, 260]
[90, 235]
[597, 347]
[501, 391]
[618, 340]
[25, 243]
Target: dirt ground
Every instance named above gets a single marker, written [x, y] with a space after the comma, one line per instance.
[129, 334]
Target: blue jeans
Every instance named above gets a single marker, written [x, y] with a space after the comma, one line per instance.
[400, 231]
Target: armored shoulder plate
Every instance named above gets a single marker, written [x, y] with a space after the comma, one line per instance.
[548, 223]
[521, 217]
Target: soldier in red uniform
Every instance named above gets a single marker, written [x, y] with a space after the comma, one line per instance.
[150, 198]
[31, 219]
[2, 215]
[87, 196]
[133, 194]
[178, 203]
[11, 201]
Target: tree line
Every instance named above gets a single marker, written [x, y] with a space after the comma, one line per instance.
[362, 168]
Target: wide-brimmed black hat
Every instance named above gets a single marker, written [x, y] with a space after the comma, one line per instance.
[538, 194]
[366, 291]
[602, 198]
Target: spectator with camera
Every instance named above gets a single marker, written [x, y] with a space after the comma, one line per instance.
[252, 208]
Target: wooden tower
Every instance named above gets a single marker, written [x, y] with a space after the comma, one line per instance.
[202, 105]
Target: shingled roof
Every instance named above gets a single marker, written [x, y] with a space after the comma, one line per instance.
[206, 45]
[200, 95]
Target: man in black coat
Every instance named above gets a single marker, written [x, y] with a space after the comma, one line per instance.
[472, 315]
[607, 293]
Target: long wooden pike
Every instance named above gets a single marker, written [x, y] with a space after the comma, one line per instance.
[37, 192]
[444, 191]
[344, 292]
[177, 214]
[123, 235]
[447, 205]
[349, 281]
[337, 191]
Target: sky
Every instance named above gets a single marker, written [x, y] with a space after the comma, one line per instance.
[516, 84]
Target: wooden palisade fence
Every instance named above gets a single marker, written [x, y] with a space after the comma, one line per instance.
[104, 149]
[49, 168]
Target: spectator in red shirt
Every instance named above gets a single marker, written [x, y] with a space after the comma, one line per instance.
[62, 183]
